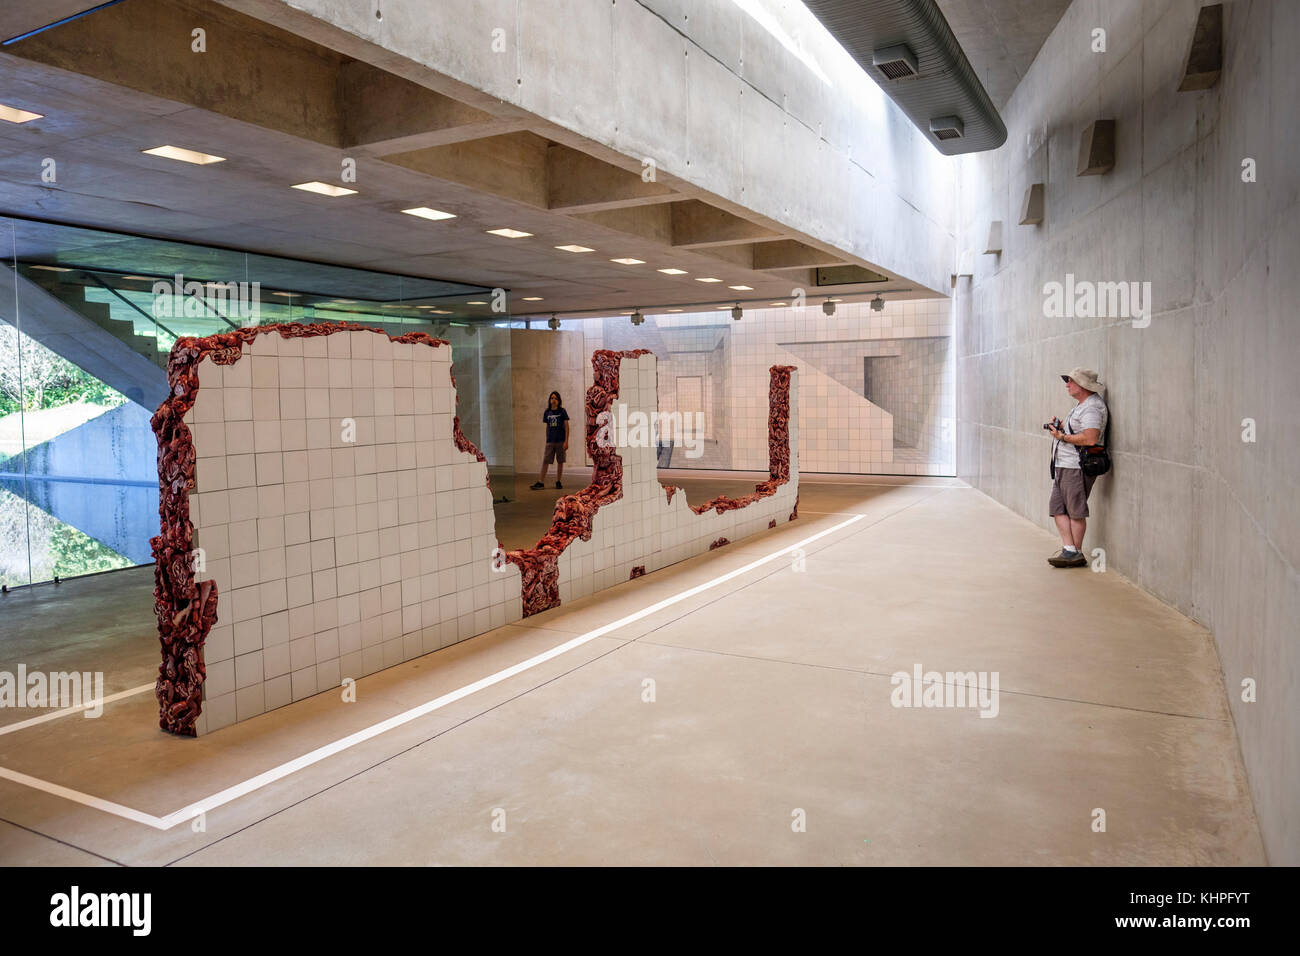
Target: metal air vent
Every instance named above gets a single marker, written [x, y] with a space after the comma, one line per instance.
[896, 62]
[947, 127]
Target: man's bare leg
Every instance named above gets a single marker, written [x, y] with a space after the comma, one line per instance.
[1066, 531]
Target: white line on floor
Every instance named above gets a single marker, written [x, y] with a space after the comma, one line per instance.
[191, 811]
[10, 728]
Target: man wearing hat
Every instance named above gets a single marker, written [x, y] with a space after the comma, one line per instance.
[1085, 425]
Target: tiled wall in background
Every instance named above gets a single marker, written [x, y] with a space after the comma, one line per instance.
[843, 431]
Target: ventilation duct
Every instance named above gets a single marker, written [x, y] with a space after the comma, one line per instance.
[907, 47]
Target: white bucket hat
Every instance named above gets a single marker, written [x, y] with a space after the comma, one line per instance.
[1084, 378]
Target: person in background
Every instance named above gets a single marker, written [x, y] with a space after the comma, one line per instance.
[1085, 425]
[557, 440]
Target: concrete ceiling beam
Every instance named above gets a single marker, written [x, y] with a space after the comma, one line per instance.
[578, 182]
[247, 70]
[512, 166]
[382, 113]
[698, 225]
[792, 254]
[652, 223]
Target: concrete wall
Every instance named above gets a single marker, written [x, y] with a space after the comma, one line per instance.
[1205, 521]
[717, 99]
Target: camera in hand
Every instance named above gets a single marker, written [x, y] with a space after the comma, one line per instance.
[1055, 423]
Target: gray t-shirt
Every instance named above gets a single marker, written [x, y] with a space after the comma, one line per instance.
[1089, 413]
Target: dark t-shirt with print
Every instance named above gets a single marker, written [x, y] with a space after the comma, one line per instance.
[555, 424]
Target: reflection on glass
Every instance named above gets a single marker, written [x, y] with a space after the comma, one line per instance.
[81, 308]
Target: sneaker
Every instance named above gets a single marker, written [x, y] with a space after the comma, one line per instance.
[558, 485]
[536, 486]
[1066, 559]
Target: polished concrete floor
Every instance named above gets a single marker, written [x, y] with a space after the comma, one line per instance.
[701, 733]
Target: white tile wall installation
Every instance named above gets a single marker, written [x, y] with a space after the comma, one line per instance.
[344, 530]
[346, 533]
[643, 528]
[842, 432]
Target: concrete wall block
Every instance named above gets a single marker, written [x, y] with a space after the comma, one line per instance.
[650, 84]
[1167, 546]
[1269, 729]
[1168, 210]
[1170, 403]
[574, 99]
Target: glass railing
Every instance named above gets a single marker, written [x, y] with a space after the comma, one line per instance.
[78, 481]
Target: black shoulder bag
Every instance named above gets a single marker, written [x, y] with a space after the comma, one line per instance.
[1095, 459]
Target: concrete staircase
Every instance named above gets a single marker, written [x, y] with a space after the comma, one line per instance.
[56, 314]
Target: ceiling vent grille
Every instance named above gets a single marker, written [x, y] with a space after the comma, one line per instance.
[896, 62]
[947, 127]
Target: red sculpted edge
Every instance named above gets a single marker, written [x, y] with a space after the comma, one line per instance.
[539, 565]
[187, 609]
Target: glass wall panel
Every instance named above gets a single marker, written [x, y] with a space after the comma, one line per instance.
[90, 318]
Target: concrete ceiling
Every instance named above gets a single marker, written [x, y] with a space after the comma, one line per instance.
[284, 109]
[1002, 37]
[22, 16]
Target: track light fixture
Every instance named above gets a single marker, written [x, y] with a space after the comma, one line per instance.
[737, 312]
[878, 304]
[637, 317]
[829, 306]
[552, 322]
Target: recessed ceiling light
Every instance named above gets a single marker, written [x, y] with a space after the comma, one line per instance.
[441, 311]
[674, 310]
[287, 295]
[673, 272]
[476, 302]
[722, 306]
[12, 114]
[532, 298]
[625, 313]
[573, 248]
[345, 301]
[629, 261]
[52, 268]
[510, 233]
[138, 278]
[776, 303]
[741, 288]
[184, 155]
[706, 279]
[325, 189]
[424, 212]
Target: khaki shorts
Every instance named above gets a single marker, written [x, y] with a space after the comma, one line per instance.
[1070, 493]
[554, 452]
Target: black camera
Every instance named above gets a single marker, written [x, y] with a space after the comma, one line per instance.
[1055, 423]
